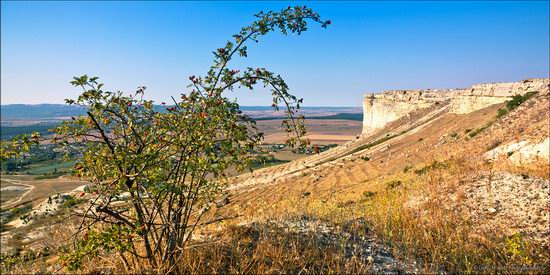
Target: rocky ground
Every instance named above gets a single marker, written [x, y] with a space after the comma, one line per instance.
[518, 201]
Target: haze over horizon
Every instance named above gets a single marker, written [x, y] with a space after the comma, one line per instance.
[370, 46]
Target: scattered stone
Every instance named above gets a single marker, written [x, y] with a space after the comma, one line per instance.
[222, 202]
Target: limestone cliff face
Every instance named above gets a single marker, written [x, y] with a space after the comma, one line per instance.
[380, 109]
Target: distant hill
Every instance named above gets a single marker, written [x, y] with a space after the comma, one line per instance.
[25, 118]
[39, 111]
[344, 116]
[56, 112]
[7, 132]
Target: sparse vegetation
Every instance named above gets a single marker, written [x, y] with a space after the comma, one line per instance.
[374, 143]
[441, 237]
[368, 194]
[71, 201]
[475, 132]
[518, 100]
[13, 213]
[393, 184]
[501, 112]
[494, 144]
[265, 161]
[510, 105]
[17, 211]
[514, 103]
[435, 165]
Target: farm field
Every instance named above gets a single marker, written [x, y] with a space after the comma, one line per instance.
[10, 191]
[39, 189]
[320, 131]
[50, 167]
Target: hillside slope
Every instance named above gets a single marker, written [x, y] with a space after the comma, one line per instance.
[491, 172]
[432, 191]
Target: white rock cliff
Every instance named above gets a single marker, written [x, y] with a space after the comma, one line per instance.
[382, 108]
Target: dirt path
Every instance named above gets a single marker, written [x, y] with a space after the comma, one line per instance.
[12, 202]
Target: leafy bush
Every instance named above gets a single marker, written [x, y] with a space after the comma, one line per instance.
[173, 163]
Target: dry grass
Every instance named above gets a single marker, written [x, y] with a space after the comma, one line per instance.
[257, 248]
[536, 168]
[416, 223]
[266, 248]
[409, 217]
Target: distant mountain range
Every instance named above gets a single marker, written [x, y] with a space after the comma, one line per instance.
[39, 111]
[18, 119]
[56, 112]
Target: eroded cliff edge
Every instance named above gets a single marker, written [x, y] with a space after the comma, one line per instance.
[382, 108]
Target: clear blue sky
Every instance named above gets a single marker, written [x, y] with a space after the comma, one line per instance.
[370, 47]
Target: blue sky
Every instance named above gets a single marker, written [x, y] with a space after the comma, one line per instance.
[370, 47]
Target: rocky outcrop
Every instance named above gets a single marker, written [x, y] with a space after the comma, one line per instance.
[522, 152]
[380, 109]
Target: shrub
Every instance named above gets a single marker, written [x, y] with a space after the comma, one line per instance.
[372, 144]
[368, 194]
[518, 100]
[455, 135]
[433, 166]
[393, 184]
[20, 210]
[514, 103]
[501, 112]
[479, 130]
[71, 201]
[172, 163]
[365, 158]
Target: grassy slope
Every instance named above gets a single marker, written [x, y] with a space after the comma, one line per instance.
[396, 194]
[443, 140]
